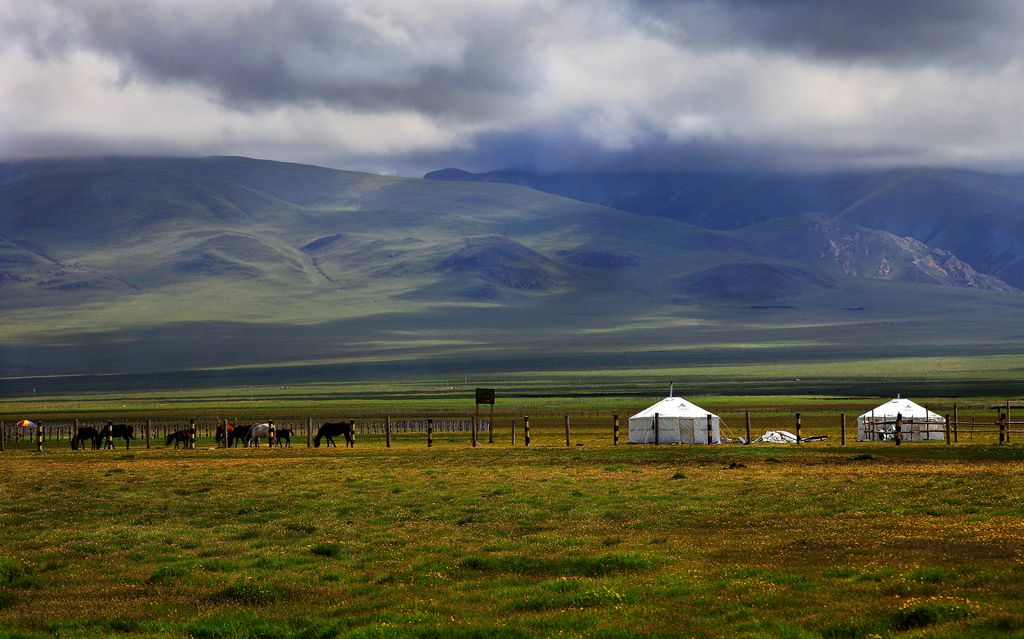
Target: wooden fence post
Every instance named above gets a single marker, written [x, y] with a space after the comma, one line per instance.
[842, 429]
[472, 428]
[567, 439]
[387, 432]
[899, 428]
[309, 432]
[947, 430]
[513, 432]
[1002, 429]
[798, 428]
[711, 436]
[490, 427]
[956, 424]
[526, 430]
[656, 416]
[149, 427]
[615, 431]
[40, 434]
[1008, 420]
[430, 432]
[191, 434]
[747, 419]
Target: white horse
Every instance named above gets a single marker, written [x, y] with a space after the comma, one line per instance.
[256, 432]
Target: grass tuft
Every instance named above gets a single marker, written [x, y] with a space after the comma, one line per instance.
[928, 613]
[249, 592]
[326, 550]
[580, 566]
[166, 576]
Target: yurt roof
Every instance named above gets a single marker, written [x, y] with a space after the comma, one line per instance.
[673, 407]
[904, 407]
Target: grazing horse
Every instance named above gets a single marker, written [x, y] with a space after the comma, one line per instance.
[86, 433]
[283, 437]
[118, 431]
[179, 437]
[256, 431]
[331, 430]
[237, 433]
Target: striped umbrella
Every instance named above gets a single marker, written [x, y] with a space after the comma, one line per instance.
[26, 424]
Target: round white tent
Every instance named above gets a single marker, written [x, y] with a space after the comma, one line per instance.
[679, 422]
[919, 423]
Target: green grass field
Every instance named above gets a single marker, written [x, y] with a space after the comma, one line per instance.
[590, 540]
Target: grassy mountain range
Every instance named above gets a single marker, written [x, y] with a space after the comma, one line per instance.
[269, 270]
[977, 217]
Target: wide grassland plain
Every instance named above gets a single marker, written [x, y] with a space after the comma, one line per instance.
[586, 540]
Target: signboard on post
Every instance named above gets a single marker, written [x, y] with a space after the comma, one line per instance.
[484, 396]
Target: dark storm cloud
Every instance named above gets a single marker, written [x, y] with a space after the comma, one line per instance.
[411, 85]
[293, 51]
[886, 32]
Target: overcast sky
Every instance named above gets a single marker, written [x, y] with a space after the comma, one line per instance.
[406, 86]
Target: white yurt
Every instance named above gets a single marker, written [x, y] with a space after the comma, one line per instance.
[919, 423]
[679, 422]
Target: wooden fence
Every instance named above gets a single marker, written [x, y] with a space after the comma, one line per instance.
[154, 432]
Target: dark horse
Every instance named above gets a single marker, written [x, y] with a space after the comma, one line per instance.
[118, 431]
[86, 433]
[283, 437]
[179, 437]
[238, 433]
[348, 429]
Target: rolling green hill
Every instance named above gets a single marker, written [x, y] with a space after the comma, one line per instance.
[276, 271]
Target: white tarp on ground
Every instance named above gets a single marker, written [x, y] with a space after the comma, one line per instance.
[776, 437]
[919, 424]
[679, 422]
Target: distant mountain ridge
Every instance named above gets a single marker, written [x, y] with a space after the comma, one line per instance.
[976, 217]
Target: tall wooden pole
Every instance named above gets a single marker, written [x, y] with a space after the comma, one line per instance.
[309, 432]
[430, 432]
[947, 430]
[567, 439]
[149, 427]
[1008, 420]
[956, 424]
[747, 419]
[526, 430]
[476, 422]
[1002, 428]
[615, 431]
[899, 428]
[711, 436]
[513, 432]
[842, 429]
[387, 432]
[656, 429]
[490, 427]
[798, 428]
